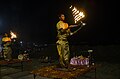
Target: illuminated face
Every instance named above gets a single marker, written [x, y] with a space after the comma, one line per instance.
[62, 17]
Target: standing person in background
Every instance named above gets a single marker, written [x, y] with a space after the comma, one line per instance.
[7, 51]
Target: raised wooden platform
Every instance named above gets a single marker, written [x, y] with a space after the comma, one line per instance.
[13, 61]
[59, 73]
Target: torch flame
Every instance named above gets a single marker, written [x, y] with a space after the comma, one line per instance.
[70, 6]
[12, 35]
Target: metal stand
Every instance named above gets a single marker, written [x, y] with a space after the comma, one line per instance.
[95, 73]
[22, 66]
[91, 61]
[34, 76]
[90, 57]
[0, 73]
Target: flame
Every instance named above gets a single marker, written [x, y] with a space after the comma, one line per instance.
[78, 15]
[6, 39]
[13, 35]
[70, 6]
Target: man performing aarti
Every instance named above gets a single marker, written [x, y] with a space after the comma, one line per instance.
[63, 32]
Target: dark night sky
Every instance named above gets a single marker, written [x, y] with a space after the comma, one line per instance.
[36, 20]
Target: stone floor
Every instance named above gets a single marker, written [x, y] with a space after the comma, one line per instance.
[108, 70]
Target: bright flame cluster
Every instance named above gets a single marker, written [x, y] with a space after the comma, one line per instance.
[12, 35]
[78, 15]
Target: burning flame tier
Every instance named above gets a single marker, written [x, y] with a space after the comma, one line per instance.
[78, 15]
